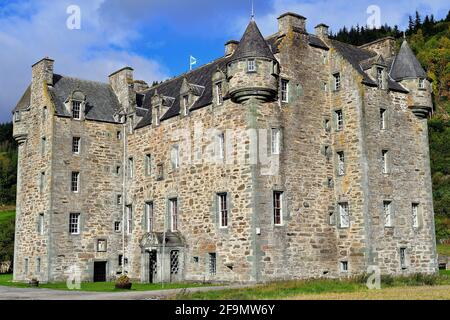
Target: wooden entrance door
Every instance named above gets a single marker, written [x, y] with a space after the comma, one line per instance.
[100, 271]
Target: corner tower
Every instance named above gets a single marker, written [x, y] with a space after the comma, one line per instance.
[253, 70]
[408, 71]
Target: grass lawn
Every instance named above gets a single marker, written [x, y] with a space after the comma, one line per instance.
[327, 289]
[443, 249]
[6, 216]
[6, 280]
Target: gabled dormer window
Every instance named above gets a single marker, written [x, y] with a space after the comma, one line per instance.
[251, 65]
[76, 110]
[219, 93]
[185, 105]
[380, 77]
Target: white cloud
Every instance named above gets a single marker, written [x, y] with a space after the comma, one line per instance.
[90, 53]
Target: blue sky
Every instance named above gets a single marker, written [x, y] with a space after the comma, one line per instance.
[155, 37]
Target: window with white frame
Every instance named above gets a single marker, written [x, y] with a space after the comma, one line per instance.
[219, 93]
[380, 76]
[17, 116]
[383, 119]
[337, 81]
[149, 216]
[175, 157]
[387, 211]
[284, 90]
[130, 168]
[251, 65]
[129, 210]
[415, 214]
[119, 199]
[344, 266]
[278, 208]
[223, 210]
[339, 118]
[185, 105]
[173, 211]
[75, 183]
[119, 135]
[148, 164]
[117, 226]
[341, 163]
[276, 140]
[76, 110]
[403, 258]
[76, 145]
[344, 215]
[221, 145]
[38, 265]
[385, 160]
[421, 83]
[41, 224]
[74, 223]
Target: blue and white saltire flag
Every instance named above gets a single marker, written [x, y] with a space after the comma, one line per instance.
[192, 62]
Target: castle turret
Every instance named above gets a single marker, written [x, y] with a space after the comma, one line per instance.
[253, 70]
[409, 72]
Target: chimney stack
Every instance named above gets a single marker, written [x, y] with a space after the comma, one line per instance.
[322, 31]
[43, 70]
[291, 21]
[230, 47]
[122, 83]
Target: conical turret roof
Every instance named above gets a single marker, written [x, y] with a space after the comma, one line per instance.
[406, 65]
[253, 44]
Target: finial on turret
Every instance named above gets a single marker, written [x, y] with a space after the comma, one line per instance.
[253, 11]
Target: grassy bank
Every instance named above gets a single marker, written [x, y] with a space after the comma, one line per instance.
[6, 216]
[443, 249]
[294, 289]
[6, 280]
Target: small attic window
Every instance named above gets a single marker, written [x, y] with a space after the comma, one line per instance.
[380, 77]
[17, 116]
[185, 105]
[76, 110]
[251, 65]
[422, 83]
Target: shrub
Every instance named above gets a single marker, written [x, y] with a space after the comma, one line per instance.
[123, 282]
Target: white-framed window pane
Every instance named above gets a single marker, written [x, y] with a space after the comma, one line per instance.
[219, 93]
[276, 139]
[415, 215]
[278, 208]
[223, 210]
[41, 224]
[173, 206]
[129, 219]
[76, 110]
[339, 115]
[175, 157]
[212, 264]
[75, 183]
[421, 83]
[284, 90]
[387, 213]
[337, 81]
[344, 216]
[74, 223]
[344, 266]
[117, 226]
[251, 65]
[382, 119]
[76, 145]
[149, 216]
[385, 161]
[341, 163]
[221, 146]
[130, 168]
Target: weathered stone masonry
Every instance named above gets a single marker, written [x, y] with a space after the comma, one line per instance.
[284, 112]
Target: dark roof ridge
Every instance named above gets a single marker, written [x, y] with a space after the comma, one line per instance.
[375, 41]
[182, 75]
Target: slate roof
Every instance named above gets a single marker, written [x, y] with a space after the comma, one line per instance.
[101, 102]
[358, 57]
[24, 101]
[252, 44]
[406, 65]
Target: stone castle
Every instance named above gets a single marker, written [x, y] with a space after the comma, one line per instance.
[292, 156]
